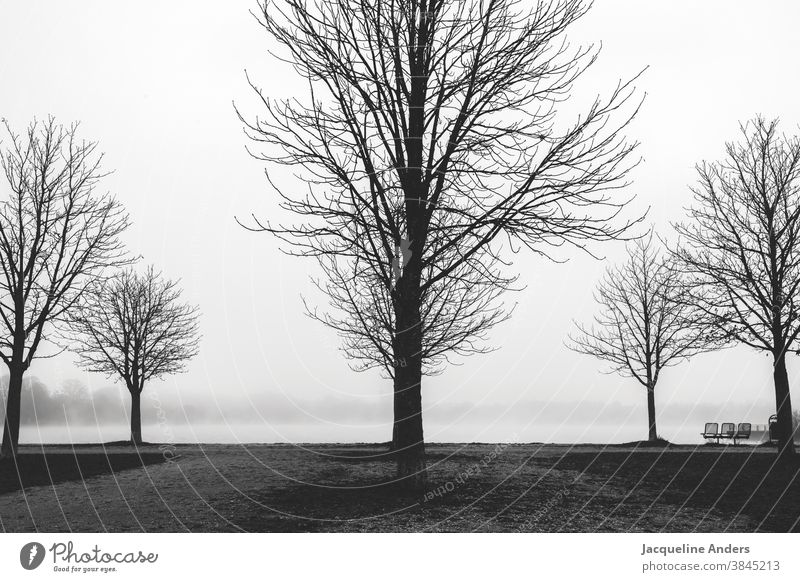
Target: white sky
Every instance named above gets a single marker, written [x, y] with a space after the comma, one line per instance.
[154, 82]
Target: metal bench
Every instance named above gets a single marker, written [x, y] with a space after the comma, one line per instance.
[742, 432]
[711, 431]
[728, 430]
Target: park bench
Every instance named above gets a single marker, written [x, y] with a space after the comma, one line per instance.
[711, 431]
[729, 431]
[742, 432]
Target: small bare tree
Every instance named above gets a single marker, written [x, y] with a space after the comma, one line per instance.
[741, 251]
[644, 324]
[57, 235]
[135, 328]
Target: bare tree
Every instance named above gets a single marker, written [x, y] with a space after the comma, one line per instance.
[135, 328]
[57, 235]
[741, 250]
[431, 128]
[644, 324]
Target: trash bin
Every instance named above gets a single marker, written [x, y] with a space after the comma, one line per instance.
[773, 428]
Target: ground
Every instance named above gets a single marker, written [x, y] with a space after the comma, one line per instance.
[473, 487]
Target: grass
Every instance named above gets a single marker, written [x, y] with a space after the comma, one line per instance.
[639, 486]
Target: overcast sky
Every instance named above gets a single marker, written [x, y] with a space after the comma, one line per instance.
[154, 83]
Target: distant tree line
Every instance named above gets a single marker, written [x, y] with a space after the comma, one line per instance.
[70, 403]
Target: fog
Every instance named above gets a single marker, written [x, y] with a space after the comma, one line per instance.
[70, 413]
[154, 83]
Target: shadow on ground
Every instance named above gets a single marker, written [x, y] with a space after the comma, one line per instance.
[36, 469]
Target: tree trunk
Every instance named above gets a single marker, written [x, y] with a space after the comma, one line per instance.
[11, 427]
[136, 418]
[651, 413]
[393, 442]
[783, 408]
[409, 444]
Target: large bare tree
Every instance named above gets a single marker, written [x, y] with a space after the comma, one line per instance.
[644, 323]
[434, 127]
[741, 250]
[135, 328]
[57, 235]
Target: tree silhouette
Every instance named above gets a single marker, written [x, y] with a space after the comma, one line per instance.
[645, 323]
[135, 328]
[57, 235]
[434, 125]
[741, 251]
